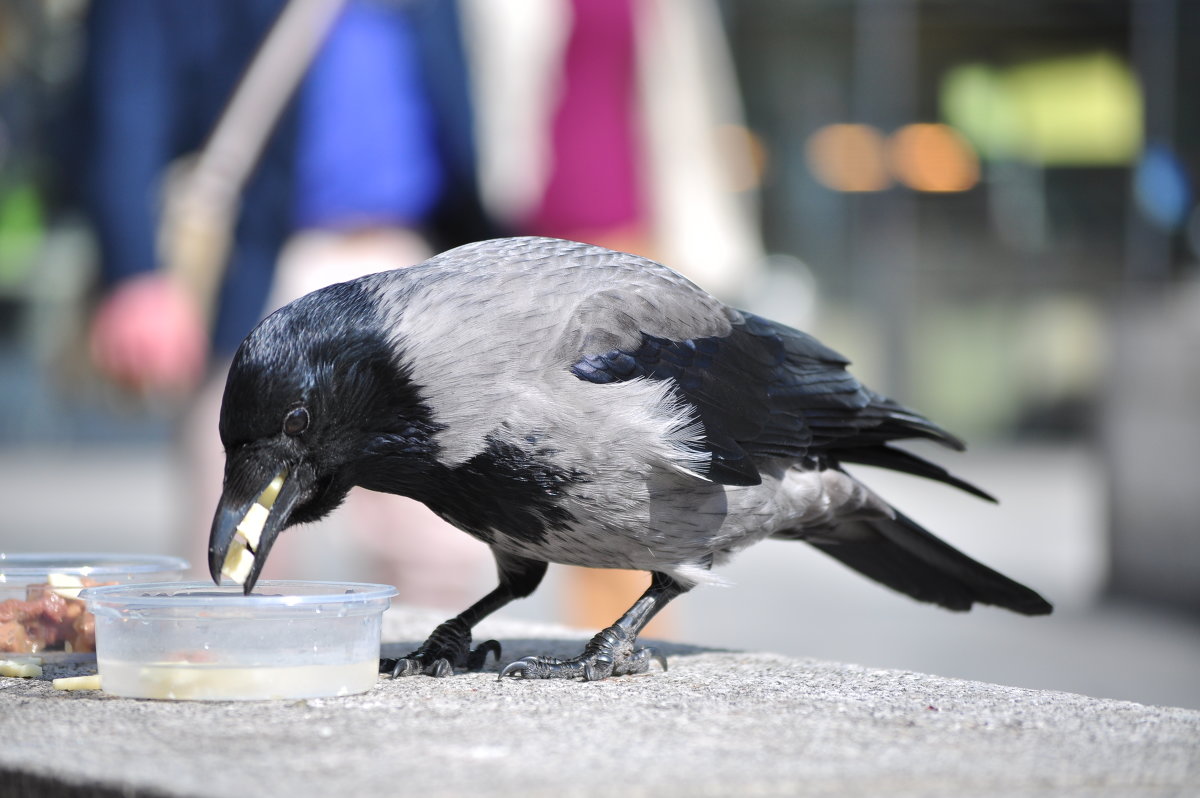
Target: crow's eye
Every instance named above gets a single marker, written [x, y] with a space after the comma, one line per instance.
[295, 422]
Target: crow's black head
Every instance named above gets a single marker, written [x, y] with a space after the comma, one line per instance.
[317, 401]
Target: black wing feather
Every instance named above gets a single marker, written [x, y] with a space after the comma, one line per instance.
[767, 390]
[900, 460]
[712, 376]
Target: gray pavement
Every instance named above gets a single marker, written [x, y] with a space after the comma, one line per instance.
[718, 723]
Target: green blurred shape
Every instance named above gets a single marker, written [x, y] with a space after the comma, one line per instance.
[1082, 110]
[21, 231]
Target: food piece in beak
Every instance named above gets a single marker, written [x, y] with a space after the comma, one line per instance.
[238, 562]
[252, 525]
[271, 493]
[240, 557]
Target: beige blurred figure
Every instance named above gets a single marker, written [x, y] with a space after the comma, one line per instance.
[616, 122]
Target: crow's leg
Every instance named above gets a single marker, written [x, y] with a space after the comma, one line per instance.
[612, 652]
[449, 646]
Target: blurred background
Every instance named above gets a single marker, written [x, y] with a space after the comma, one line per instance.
[988, 206]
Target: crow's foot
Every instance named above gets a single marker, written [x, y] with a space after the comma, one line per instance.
[610, 653]
[448, 648]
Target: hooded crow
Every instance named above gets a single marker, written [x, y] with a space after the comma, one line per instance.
[566, 403]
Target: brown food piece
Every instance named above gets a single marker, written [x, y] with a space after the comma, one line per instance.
[84, 629]
[12, 628]
[47, 620]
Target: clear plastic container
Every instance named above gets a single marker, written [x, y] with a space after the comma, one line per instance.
[40, 608]
[196, 641]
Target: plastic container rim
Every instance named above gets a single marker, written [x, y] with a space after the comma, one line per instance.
[210, 595]
[86, 564]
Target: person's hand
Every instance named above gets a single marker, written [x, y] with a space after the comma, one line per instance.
[148, 336]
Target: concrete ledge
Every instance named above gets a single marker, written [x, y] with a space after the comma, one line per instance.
[719, 723]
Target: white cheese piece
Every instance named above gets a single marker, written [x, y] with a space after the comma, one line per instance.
[252, 525]
[268, 497]
[238, 562]
[78, 682]
[65, 585]
[20, 668]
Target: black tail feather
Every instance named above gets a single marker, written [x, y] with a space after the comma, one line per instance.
[900, 554]
[909, 463]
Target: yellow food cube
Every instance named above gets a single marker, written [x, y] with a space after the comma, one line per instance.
[267, 499]
[252, 525]
[238, 562]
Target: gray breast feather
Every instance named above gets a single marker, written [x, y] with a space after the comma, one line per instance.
[488, 328]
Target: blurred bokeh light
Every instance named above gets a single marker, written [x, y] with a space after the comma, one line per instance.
[1063, 111]
[932, 157]
[849, 157]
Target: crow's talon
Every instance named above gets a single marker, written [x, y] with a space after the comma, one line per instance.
[478, 658]
[601, 667]
[402, 666]
[516, 669]
[650, 655]
[447, 649]
[639, 662]
[609, 653]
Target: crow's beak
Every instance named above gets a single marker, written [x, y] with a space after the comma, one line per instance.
[244, 528]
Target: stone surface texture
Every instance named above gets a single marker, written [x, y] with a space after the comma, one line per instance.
[718, 723]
